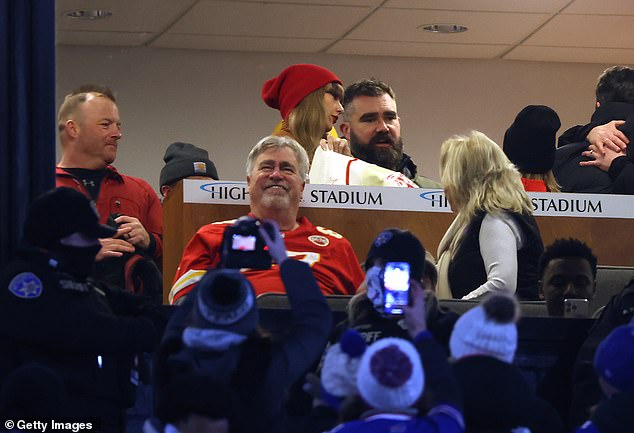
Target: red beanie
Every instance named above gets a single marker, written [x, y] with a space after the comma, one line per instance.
[287, 90]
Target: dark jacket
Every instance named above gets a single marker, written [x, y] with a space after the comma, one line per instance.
[614, 415]
[364, 318]
[586, 391]
[259, 370]
[496, 398]
[572, 177]
[63, 322]
[467, 272]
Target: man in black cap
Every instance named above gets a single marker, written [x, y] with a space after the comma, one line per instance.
[51, 314]
[579, 168]
[184, 160]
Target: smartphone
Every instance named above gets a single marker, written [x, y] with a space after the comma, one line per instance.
[579, 308]
[395, 287]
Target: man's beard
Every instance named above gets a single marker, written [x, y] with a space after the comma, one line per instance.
[275, 200]
[389, 158]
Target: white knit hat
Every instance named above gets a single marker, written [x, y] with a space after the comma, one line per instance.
[391, 375]
[489, 329]
[339, 370]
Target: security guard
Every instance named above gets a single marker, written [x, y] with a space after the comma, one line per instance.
[51, 314]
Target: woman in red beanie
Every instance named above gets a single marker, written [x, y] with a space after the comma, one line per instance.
[309, 99]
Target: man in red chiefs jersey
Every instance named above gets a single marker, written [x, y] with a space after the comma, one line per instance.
[277, 170]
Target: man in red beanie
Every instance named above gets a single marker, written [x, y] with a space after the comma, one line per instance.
[277, 170]
[373, 127]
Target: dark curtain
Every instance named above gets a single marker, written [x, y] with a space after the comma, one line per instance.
[27, 112]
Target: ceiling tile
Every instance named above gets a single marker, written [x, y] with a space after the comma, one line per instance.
[127, 16]
[603, 7]
[124, 39]
[415, 49]
[268, 19]
[586, 31]
[484, 27]
[572, 55]
[240, 43]
[322, 2]
[549, 6]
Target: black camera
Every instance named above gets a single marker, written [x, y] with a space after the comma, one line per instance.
[244, 247]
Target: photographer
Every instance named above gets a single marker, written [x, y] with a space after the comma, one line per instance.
[214, 333]
[277, 170]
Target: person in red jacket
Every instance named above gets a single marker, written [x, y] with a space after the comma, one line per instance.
[277, 170]
[90, 129]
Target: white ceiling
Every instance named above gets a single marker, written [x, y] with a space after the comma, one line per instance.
[587, 31]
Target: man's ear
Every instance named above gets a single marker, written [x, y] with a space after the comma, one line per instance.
[71, 128]
[345, 129]
[165, 189]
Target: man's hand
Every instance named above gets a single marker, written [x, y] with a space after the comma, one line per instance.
[111, 247]
[603, 160]
[339, 145]
[608, 136]
[415, 314]
[132, 231]
[277, 248]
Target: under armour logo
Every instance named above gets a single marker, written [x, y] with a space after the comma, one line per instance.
[88, 183]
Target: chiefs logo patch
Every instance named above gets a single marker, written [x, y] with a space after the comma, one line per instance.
[321, 241]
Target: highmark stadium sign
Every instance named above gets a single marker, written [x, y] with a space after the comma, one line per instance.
[410, 199]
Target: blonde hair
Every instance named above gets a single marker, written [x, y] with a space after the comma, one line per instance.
[308, 121]
[548, 178]
[478, 177]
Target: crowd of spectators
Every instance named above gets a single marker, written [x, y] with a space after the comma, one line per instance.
[83, 326]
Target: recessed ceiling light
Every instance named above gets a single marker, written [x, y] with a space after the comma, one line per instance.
[88, 14]
[444, 28]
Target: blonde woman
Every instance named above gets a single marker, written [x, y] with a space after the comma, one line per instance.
[493, 244]
[309, 99]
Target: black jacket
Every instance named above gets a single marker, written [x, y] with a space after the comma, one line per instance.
[259, 370]
[586, 391]
[572, 177]
[496, 398]
[63, 322]
[467, 272]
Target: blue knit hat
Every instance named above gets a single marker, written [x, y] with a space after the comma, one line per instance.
[614, 359]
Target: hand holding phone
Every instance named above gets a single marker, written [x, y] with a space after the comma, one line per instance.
[577, 308]
[396, 287]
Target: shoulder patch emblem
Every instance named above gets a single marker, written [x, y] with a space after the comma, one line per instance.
[26, 285]
[329, 232]
[320, 241]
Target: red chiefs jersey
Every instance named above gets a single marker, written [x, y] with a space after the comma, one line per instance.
[330, 256]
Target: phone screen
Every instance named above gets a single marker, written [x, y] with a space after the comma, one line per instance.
[243, 243]
[395, 287]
